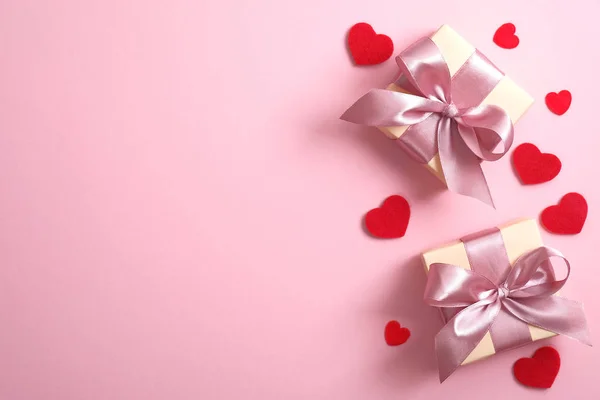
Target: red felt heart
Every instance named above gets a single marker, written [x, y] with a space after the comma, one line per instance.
[368, 47]
[541, 370]
[559, 102]
[396, 335]
[390, 220]
[533, 166]
[505, 36]
[568, 216]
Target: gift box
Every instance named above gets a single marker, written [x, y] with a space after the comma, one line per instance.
[450, 109]
[511, 263]
[457, 51]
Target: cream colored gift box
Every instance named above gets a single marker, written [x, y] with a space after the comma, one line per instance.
[519, 238]
[456, 51]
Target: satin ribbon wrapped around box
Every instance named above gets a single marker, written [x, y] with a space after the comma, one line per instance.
[496, 291]
[450, 109]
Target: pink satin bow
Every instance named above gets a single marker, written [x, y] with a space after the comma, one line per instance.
[526, 294]
[463, 136]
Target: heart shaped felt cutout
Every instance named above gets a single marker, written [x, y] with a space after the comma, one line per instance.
[568, 216]
[559, 102]
[540, 371]
[390, 220]
[505, 36]
[368, 47]
[533, 166]
[395, 334]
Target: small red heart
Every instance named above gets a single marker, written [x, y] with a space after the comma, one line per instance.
[390, 220]
[367, 47]
[568, 216]
[559, 102]
[533, 166]
[541, 370]
[505, 36]
[395, 335]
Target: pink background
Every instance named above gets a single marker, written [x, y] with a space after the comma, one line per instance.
[181, 209]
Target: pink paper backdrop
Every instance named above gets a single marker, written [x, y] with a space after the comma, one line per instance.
[180, 208]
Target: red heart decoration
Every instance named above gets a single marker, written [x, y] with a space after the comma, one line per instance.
[568, 216]
[396, 335]
[367, 47]
[505, 36]
[390, 220]
[541, 370]
[559, 102]
[533, 166]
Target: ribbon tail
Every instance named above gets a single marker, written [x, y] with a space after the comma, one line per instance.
[459, 337]
[461, 168]
[555, 314]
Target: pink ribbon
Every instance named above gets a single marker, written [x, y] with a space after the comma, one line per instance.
[522, 294]
[463, 132]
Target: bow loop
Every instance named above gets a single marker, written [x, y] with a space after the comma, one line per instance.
[451, 286]
[483, 129]
[533, 275]
[426, 70]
